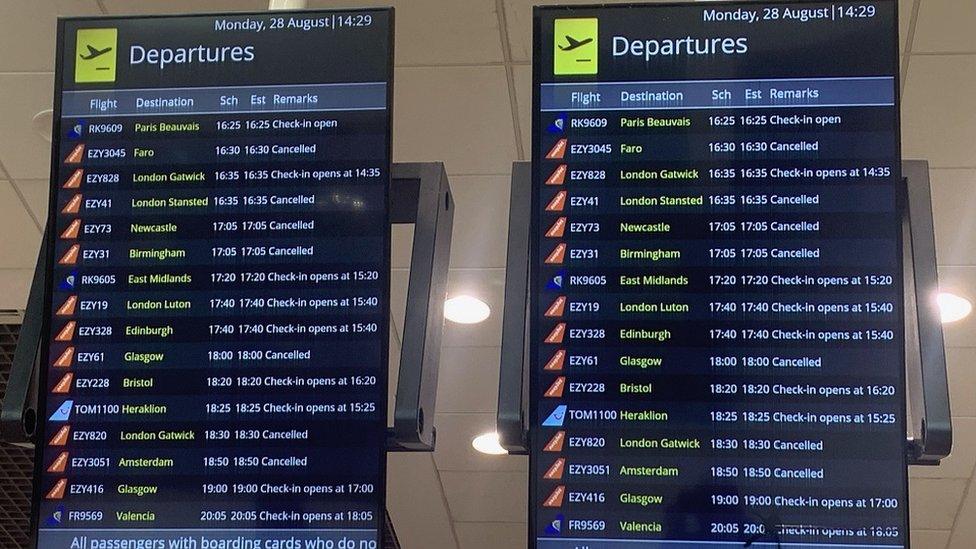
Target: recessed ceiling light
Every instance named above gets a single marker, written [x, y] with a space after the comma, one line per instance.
[465, 309]
[287, 5]
[953, 307]
[488, 444]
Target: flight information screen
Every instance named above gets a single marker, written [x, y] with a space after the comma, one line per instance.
[716, 312]
[215, 361]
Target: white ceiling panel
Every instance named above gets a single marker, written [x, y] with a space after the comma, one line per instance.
[486, 497]
[905, 8]
[456, 453]
[945, 26]
[487, 285]
[934, 502]
[472, 37]
[480, 221]
[961, 463]
[468, 379]
[21, 238]
[954, 212]
[935, 124]
[964, 533]
[962, 281]
[491, 535]
[23, 151]
[16, 286]
[961, 364]
[523, 95]
[138, 7]
[36, 193]
[416, 503]
[30, 31]
[518, 16]
[458, 115]
[930, 539]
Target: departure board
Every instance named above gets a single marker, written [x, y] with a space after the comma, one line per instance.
[216, 340]
[716, 303]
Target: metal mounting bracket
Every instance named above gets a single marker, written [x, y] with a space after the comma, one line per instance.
[421, 194]
[930, 425]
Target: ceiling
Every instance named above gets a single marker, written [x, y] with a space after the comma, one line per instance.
[463, 89]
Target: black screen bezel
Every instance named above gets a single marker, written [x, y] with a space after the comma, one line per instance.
[50, 240]
[534, 225]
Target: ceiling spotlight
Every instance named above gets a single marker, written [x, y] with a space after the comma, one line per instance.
[488, 444]
[465, 309]
[953, 307]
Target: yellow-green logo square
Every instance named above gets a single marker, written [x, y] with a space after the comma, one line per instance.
[95, 54]
[575, 46]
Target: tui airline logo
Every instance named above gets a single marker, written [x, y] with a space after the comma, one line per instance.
[95, 55]
[574, 49]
